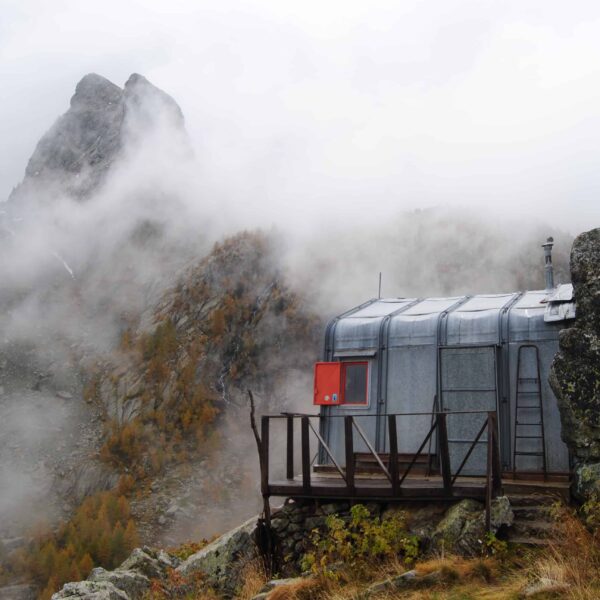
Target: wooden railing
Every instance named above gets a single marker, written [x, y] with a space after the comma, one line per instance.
[491, 485]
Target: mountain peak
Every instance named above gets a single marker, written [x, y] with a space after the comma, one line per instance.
[75, 154]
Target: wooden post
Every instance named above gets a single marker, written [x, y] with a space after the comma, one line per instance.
[264, 462]
[488, 472]
[393, 464]
[305, 454]
[444, 453]
[349, 447]
[290, 448]
[496, 463]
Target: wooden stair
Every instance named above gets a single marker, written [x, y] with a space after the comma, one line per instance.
[533, 524]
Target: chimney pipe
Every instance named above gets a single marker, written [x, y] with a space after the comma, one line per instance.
[548, 268]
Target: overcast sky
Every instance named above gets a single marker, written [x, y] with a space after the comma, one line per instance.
[316, 109]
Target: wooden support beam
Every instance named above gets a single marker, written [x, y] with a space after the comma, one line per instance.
[289, 471]
[349, 448]
[305, 453]
[264, 458]
[393, 462]
[496, 462]
[488, 472]
[444, 453]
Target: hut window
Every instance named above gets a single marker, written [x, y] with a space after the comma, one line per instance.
[354, 382]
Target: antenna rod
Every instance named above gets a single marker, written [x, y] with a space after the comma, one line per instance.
[379, 293]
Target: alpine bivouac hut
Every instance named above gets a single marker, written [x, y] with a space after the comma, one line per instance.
[441, 389]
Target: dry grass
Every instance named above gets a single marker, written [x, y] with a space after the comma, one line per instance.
[304, 589]
[571, 565]
[254, 577]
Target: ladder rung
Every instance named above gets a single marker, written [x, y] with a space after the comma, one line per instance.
[529, 453]
[534, 379]
[528, 424]
[519, 393]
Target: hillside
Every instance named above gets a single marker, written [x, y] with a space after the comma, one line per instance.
[133, 323]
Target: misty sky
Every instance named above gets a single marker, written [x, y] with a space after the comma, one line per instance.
[321, 109]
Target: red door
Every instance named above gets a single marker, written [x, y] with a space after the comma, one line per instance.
[328, 377]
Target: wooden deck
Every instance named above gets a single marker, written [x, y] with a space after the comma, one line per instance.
[372, 486]
[393, 476]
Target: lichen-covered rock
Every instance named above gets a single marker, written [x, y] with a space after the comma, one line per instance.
[150, 562]
[90, 590]
[222, 561]
[462, 530]
[586, 482]
[133, 583]
[575, 373]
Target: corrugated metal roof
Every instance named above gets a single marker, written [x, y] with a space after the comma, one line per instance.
[486, 302]
[431, 306]
[381, 308]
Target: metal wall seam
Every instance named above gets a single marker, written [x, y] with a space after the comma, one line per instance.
[442, 319]
[384, 331]
[504, 418]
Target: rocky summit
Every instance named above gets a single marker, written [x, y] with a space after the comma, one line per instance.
[74, 156]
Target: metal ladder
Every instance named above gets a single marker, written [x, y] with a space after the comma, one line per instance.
[529, 411]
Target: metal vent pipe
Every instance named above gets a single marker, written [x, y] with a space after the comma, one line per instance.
[548, 268]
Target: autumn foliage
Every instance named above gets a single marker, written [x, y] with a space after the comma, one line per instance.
[100, 533]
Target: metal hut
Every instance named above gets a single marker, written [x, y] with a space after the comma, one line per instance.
[419, 356]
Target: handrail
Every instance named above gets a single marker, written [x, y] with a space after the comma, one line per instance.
[471, 448]
[418, 453]
[326, 448]
[372, 450]
[285, 415]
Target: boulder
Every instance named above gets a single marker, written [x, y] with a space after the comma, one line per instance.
[90, 590]
[222, 561]
[133, 583]
[462, 530]
[149, 562]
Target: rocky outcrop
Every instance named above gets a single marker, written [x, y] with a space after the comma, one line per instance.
[575, 373]
[129, 582]
[462, 530]
[221, 563]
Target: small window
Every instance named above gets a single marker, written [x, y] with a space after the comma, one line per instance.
[354, 382]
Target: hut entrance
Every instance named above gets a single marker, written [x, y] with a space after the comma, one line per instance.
[468, 382]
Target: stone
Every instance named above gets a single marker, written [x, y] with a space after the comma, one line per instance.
[133, 583]
[462, 530]
[544, 586]
[314, 523]
[586, 480]
[391, 583]
[64, 395]
[90, 590]
[222, 561]
[274, 583]
[151, 563]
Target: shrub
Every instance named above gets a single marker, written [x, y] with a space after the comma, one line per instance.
[357, 543]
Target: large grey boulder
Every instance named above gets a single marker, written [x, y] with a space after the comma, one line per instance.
[575, 372]
[221, 563]
[462, 530]
[133, 583]
[90, 590]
